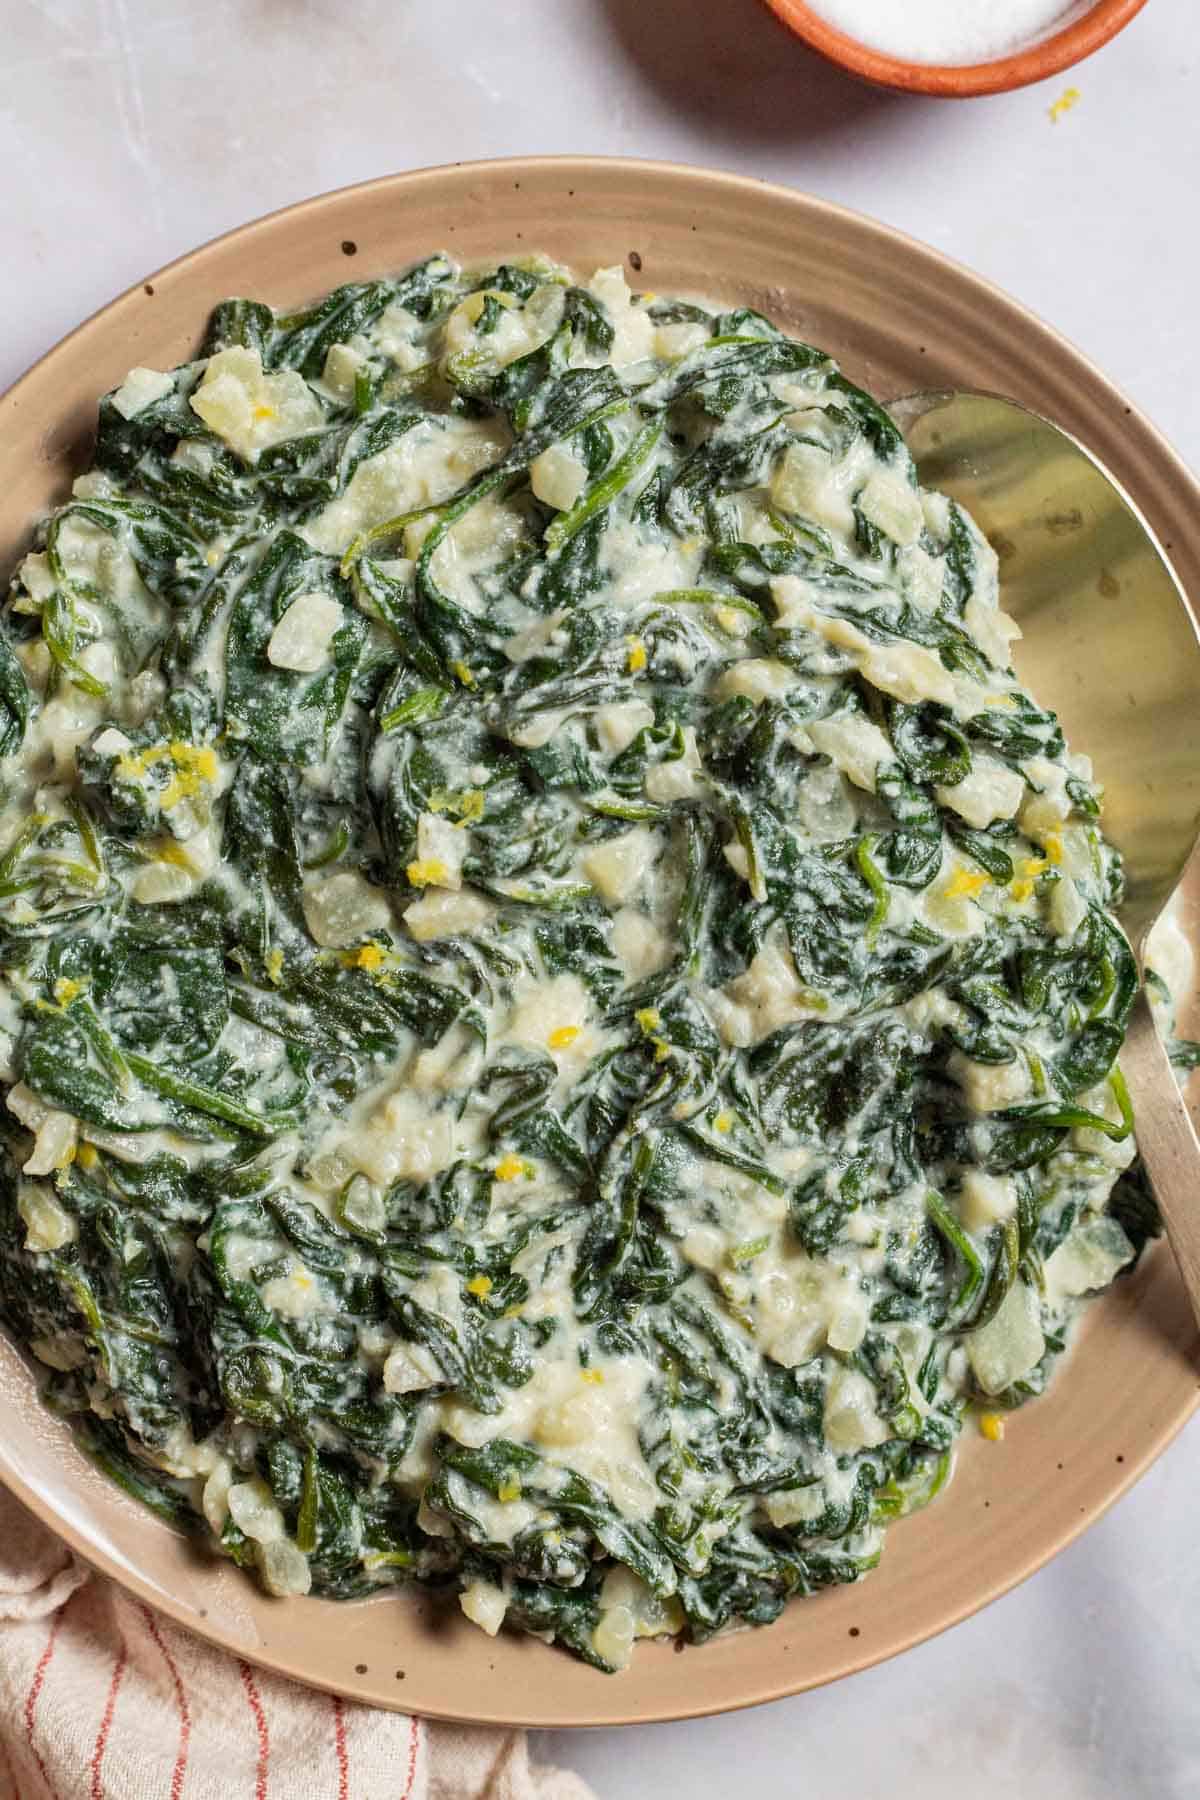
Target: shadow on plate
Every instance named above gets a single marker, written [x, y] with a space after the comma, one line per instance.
[737, 69]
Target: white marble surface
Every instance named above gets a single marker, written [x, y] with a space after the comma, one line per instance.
[131, 131]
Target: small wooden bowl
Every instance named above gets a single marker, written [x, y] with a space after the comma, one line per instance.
[1050, 56]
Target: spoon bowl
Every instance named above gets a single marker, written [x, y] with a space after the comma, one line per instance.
[1112, 646]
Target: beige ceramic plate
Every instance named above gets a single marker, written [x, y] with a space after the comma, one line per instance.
[899, 317]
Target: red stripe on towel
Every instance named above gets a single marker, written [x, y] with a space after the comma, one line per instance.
[414, 1739]
[254, 1702]
[339, 1744]
[110, 1706]
[185, 1716]
[35, 1688]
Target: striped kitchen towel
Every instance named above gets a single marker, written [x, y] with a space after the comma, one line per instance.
[102, 1699]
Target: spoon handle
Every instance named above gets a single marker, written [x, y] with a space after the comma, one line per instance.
[1167, 1140]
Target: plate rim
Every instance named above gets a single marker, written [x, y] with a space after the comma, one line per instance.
[1168, 460]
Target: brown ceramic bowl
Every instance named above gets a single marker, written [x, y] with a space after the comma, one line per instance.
[1088, 28]
[900, 317]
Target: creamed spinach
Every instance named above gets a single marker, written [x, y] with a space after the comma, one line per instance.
[560, 1002]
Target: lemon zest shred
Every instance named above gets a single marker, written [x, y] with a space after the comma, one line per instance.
[991, 1426]
[193, 764]
[66, 990]
[480, 1286]
[131, 765]
[635, 662]
[468, 804]
[509, 1167]
[564, 1036]
[1069, 98]
[968, 883]
[428, 871]
[509, 1490]
[595, 1376]
[87, 1156]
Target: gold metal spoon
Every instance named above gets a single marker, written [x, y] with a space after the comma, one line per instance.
[1111, 645]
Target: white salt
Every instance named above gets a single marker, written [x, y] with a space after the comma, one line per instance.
[958, 32]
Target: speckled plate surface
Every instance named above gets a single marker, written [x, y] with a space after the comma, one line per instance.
[899, 317]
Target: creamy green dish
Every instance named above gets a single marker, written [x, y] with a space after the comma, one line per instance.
[560, 1005]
